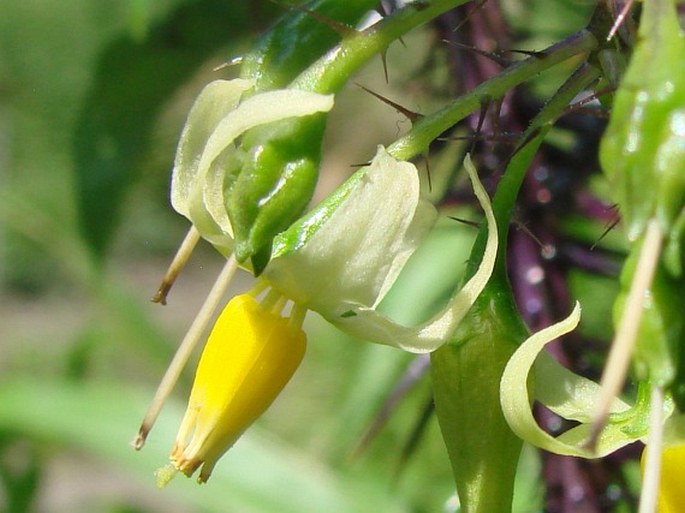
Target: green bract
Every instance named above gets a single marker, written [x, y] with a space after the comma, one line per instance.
[342, 258]
[661, 331]
[207, 160]
[643, 150]
[566, 394]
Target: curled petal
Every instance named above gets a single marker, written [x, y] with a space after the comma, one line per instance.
[345, 255]
[213, 104]
[207, 154]
[565, 393]
[351, 248]
[368, 324]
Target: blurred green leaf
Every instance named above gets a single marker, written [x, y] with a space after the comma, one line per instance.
[257, 475]
[132, 82]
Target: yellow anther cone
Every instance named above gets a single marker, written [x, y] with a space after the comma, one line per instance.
[250, 356]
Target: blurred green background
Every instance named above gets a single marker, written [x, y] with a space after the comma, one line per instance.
[93, 95]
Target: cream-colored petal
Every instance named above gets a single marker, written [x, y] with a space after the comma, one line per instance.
[571, 396]
[351, 248]
[366, 323]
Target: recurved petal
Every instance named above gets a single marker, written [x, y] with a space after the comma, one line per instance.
[351, 248]
[572, 397]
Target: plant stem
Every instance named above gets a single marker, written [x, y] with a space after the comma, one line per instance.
[429, 128]
[467, 372]
[330, 72]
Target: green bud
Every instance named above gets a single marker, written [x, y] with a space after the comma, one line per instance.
[275, 184]
[643, 150]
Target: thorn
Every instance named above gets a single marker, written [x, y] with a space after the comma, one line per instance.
[478, 6]
[415, 370]
[531, 53]
[524, 228]
[574, 107]
[610, 227]
[502, 137]
[495, 57]
[484, 105]
[231, 62]
[468, 222]
[620, 19]
[364, 164]
[384, 60]
[532, 135]
[343, 29]
[409, 114]
[428, 171]
[412, 442]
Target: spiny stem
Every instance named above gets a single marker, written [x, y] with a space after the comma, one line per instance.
[332, 70]
[179, 261]
[185, 349]
[430, 127]
[626, 335]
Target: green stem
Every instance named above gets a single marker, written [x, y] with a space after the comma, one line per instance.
[417, 140]
[331, 71]
[467, 372]
[508, 189]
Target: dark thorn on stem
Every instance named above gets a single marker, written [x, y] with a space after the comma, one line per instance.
[341, 28]
[409, 114]
[477, 7]
[495, 57]
[384, 60]
[611, 226]
[416, 369]
[467, 222]
[428, 170]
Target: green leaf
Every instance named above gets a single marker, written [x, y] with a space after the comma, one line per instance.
[132, 81]
[259, 475]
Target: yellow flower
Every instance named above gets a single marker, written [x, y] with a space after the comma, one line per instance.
[672, 482]
[251, 354]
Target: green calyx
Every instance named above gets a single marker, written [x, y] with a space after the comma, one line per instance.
[643, 150]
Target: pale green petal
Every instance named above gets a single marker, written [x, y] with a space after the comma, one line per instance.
[368, 324]
[214, 102]
[207, 148]
[350, 249]
[571, 396]
[260, 109]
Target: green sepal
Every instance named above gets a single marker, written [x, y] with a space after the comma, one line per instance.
[661, 334]
[275, 184]
[643, 150]
[297, 40]
[466, 372]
